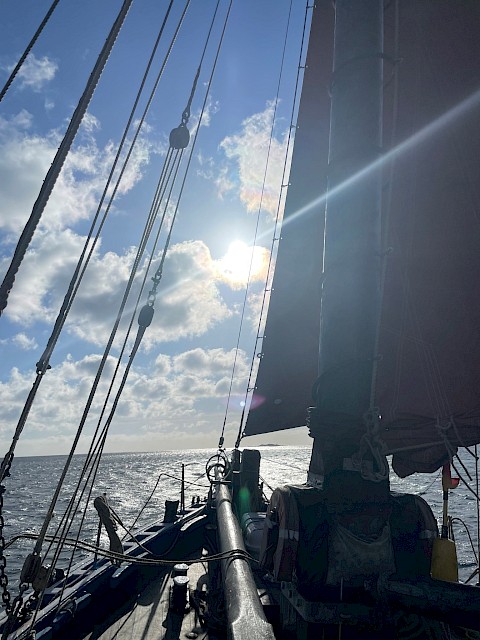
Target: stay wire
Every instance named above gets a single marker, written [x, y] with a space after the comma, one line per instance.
[157, 201]
[96, 450]
[97, 376]
[43, 363]
[120, 313]
[163, 256]
[169, 168]
[63, 529]
[276, 226]
[73, 289]
[255, 239]
[59, 160]
[158, 274]
[29, 47]
[138, 339]
[68, 519]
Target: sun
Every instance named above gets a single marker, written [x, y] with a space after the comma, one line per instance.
[242, 260]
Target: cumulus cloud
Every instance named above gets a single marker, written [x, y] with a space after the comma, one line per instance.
[246, 153]
[181, 394]
[24, 342]
[50, 261]
[25, 158]
[187, 396]
[35, 72]
[188, 301]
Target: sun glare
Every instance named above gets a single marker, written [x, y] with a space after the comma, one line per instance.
[235, 265]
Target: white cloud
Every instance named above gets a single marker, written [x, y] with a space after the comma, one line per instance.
[206, 166]
[36, 72]
[211, 108]
[90, 123]
[187, 398]
[25, 158]
[24, 342]
[201, 361]
[50, 261]
[185, 394]
[247, 155]
[188, 301]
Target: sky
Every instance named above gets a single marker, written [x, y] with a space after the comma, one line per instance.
[177, 392]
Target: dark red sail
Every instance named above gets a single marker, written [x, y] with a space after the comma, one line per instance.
[428, 377]
[289, 365]
[429, 374]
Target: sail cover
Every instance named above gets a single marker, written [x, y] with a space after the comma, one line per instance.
[428, 378]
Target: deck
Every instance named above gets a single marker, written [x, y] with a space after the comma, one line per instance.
[149, 617]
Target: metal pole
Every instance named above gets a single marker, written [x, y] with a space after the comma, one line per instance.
[245, 615]
[182, 491]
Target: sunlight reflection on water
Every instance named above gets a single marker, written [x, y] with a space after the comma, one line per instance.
[129, 478]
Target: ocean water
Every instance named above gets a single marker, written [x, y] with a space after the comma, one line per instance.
[128, 480]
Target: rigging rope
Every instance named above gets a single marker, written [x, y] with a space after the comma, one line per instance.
[60, 156]
[249, 388]
[97, 449]
[178, 144]
[154, 561]
[158, 273]
[185, 115]
[43, 363]
[477, 490]
[29, 47]
[144, 321]
[41, 202]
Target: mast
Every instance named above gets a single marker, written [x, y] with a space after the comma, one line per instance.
[350, 298]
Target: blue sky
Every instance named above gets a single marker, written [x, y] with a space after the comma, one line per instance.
[177, 390]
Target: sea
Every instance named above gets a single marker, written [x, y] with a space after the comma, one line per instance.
[140, 483]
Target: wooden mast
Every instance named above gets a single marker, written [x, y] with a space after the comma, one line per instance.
[352, 245]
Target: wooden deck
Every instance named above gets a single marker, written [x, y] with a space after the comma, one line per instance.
[149, 617]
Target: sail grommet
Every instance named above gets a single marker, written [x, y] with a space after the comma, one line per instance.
[179, 137]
